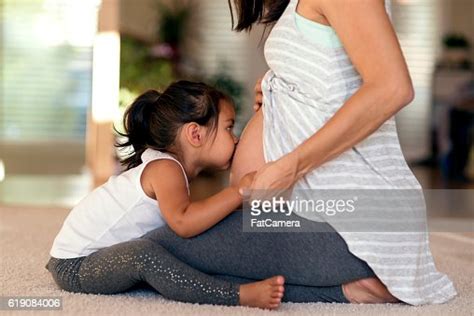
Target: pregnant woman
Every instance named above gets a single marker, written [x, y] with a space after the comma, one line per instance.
[337, 77]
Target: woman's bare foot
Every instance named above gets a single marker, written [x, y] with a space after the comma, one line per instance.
[368, 291]
[263, 294]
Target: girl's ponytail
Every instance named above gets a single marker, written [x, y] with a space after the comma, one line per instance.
[136, 122]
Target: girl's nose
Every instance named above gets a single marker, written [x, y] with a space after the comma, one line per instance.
[236, 140]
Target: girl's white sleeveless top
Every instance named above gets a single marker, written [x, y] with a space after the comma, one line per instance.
[306, 84]
[115, 212]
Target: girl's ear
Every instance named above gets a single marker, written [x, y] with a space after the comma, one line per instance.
[194, 134]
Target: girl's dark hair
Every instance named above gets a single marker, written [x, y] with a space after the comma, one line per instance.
[250, 12]
[153, 119]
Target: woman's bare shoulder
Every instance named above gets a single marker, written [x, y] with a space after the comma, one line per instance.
[312, 9]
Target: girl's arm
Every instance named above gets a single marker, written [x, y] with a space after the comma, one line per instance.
[371, 43]
[164, 181]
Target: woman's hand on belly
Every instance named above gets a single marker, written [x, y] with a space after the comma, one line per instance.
[275, 178]
[248, 155]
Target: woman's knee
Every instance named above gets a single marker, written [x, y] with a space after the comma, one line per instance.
[166, 237]
[160, 235]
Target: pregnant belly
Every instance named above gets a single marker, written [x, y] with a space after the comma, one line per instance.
[248, 156]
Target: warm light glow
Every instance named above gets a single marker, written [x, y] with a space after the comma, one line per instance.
[78, 25]
[105, 77]
[404, 2]
[2, 171]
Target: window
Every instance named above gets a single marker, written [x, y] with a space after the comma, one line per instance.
[46, 53]
[45, 86]
[418, 26]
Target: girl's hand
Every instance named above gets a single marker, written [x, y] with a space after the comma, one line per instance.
[275, 177]
[258, 95]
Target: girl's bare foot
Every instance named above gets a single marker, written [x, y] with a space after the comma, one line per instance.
[263, 294]
[368, 291]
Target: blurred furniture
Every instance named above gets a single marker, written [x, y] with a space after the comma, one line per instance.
[452, 121]
[461, 134]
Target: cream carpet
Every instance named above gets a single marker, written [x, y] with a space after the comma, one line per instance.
[26, 235]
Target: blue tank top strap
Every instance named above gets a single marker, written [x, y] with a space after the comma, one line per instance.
[318, 33]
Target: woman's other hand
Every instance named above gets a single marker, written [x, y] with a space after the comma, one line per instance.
[258, 95]
[275, 178]
[246, 182]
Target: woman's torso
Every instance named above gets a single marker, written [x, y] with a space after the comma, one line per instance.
[312, 78]
[335, 82]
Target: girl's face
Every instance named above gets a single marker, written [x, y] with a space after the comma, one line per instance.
[221, 150]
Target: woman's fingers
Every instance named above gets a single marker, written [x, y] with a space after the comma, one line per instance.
[258, 101]
[258, 86]
[258, 95]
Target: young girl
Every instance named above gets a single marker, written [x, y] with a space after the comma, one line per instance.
[174, 135]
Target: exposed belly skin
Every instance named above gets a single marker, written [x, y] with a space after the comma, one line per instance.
[249, 153]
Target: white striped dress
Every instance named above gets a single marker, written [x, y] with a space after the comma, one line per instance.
[306, 84]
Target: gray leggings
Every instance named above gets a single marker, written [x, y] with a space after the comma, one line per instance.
[209, 268]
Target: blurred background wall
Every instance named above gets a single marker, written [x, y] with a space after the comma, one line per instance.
[57, 105]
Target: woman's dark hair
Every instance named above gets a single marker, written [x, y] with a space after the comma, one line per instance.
[250, 12]
[153, 119]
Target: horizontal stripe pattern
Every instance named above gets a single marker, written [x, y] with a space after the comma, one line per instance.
[306, 84]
